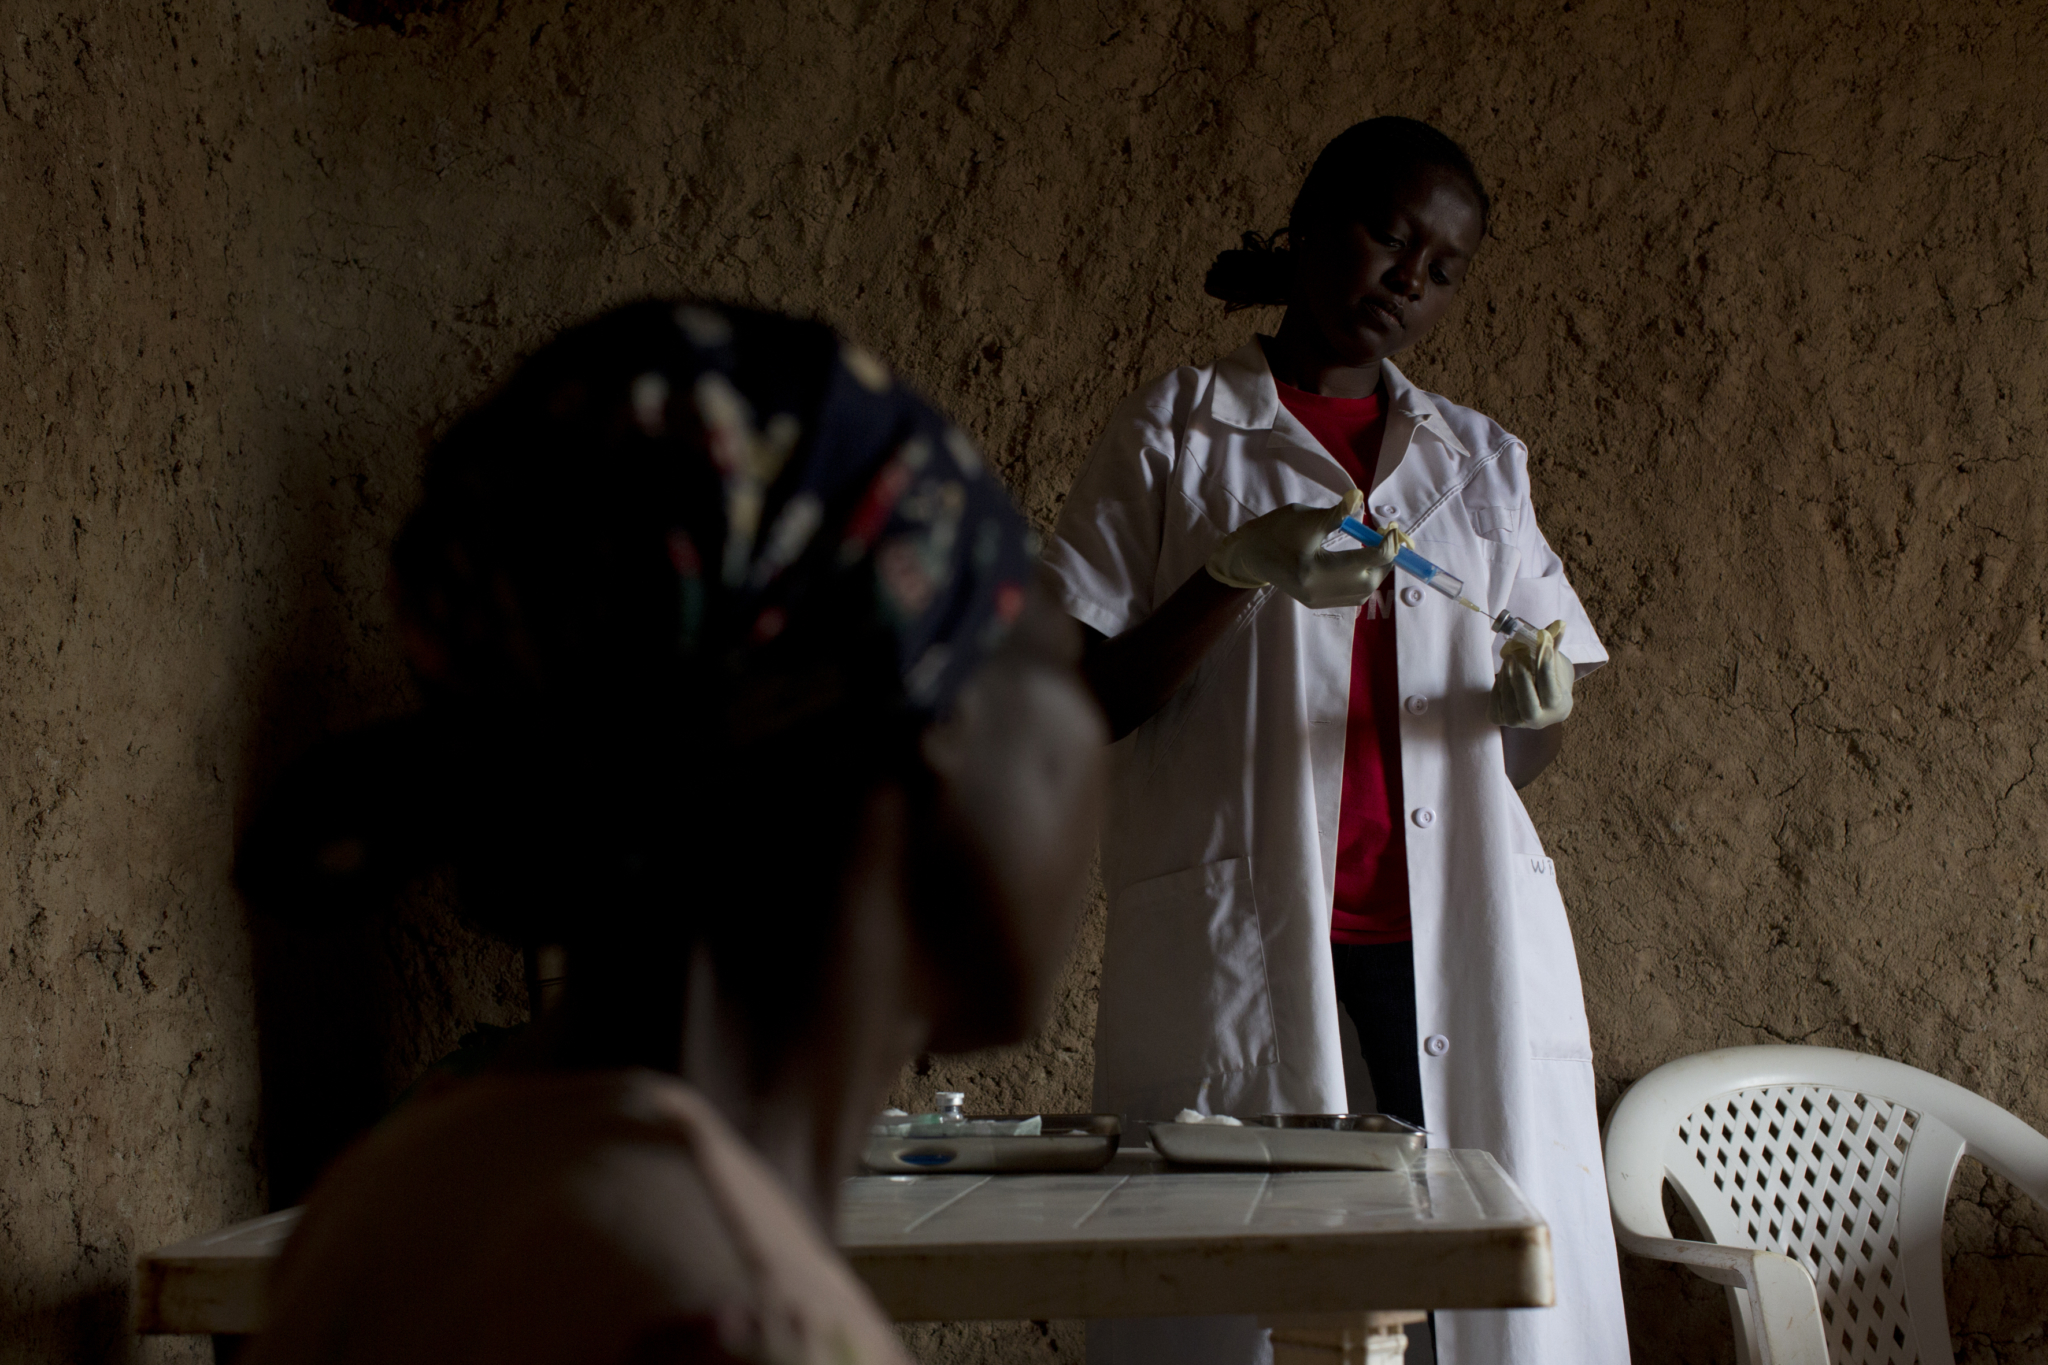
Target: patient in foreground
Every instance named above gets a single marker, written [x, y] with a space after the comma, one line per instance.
[741, 691]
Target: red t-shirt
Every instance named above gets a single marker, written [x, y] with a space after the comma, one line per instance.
[1371, 904]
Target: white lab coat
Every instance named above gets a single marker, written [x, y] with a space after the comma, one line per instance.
[1220, 849]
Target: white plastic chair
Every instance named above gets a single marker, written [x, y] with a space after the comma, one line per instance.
[1822, 1177]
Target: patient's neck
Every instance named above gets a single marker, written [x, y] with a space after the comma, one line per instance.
[807, 1107]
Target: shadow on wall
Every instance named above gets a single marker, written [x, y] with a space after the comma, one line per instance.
[350, 1008]
[67, 1322]
[321, 1029]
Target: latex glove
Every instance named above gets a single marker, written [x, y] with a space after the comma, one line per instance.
[1533, 689]
[1285, 548]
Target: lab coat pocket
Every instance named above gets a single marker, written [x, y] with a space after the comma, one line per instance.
[1487, 566]
[1496, 523]
[1184, 990]
[1553, 1004]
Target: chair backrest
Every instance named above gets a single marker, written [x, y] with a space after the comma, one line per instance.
[1839, 1160]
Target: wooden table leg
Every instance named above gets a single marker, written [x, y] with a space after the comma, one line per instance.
[1340, 1338]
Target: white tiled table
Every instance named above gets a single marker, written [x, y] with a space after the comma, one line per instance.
[1134, 1241]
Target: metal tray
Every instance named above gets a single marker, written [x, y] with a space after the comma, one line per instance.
[1313, 1142]
[1066, 1142]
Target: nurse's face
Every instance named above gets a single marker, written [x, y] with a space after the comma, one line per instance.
[1376, 285]
[998, 887]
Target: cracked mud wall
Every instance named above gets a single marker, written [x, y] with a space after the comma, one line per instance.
[1762, 299]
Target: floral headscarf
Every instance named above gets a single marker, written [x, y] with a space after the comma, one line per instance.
[794, 504]
[688, 547]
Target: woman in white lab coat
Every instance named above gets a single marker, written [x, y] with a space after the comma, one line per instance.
[1299, 755]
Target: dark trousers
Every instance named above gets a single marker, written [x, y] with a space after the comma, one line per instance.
[1376, 986]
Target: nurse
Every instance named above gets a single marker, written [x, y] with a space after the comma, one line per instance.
[1314, 784]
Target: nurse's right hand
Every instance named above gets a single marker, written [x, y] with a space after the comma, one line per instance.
[1284, 548]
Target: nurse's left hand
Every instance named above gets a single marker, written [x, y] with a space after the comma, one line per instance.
[1533, 689]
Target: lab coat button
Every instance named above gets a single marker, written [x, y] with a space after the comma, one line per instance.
[1416, 705]
[1386, 509]
[1424, 817]
[1412, 596]
[1436, 1045]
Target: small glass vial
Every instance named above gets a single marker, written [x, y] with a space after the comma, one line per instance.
[947, 1104]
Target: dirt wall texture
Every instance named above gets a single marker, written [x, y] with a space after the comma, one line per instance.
[1762, 298]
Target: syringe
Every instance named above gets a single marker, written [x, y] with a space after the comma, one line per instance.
[1450, 585]
[1426, 573]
